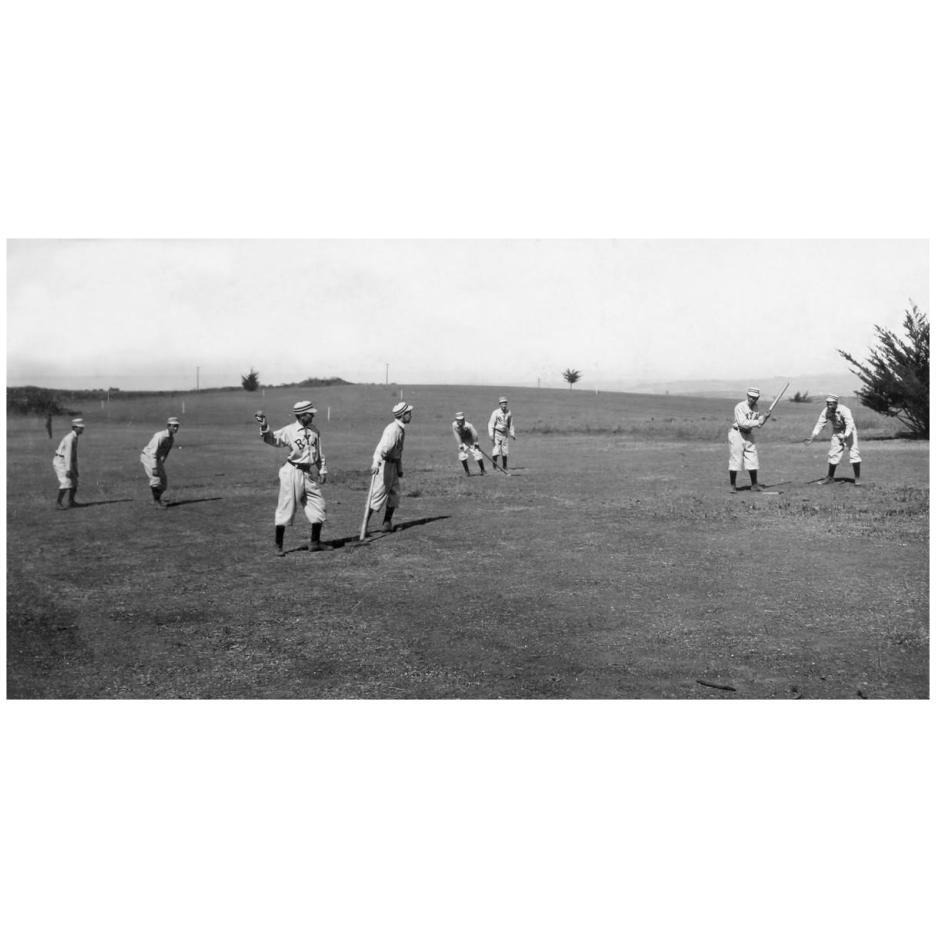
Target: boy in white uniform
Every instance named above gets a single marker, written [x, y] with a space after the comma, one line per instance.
[742, 450]
[153, 458]
[300, 476]
[387, 466]
[65, 463]
[500, 426]
[844, 435]
[467, 438]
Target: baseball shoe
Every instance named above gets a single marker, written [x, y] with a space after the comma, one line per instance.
[387, 527]
[756, 488]
[857, 483]
[159, 505]
[826, 481]
[319, 547]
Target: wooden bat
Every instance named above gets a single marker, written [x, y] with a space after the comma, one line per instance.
[494, 463]
[776, 400]
[370, 491]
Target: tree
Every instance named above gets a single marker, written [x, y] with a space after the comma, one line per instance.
[571, 376]
[895, 377]
[251, 381]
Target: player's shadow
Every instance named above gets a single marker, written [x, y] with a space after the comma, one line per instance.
[101, 503]
[193, 500]
[377, 534]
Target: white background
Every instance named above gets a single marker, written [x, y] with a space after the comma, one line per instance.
[507, 119]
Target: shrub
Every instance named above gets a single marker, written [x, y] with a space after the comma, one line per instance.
[26, 400]
[251, 381]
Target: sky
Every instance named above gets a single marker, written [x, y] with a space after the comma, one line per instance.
[171, 314]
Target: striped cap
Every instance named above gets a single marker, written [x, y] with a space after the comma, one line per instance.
[503, 399]
[401, 409]
[753, 391]
[173, 421]
[459, 415]
[78, 421]
[831, 398]
[304, 406]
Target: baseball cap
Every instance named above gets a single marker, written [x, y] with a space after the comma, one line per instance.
[304, 406]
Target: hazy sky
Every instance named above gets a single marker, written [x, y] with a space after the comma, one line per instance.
[145, 314]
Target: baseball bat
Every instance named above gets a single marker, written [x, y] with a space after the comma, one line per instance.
[776, 399]
[370, 491]
[494, 463]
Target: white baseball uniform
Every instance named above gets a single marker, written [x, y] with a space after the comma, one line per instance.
[299, 476]
[500, 426]
[153, 458]
[467, 438]
[844, 434]
[388, 462]
[742, 451]
[65, 462]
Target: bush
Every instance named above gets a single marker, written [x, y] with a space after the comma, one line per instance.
[800, 397]
[251, 381]
[27, 400]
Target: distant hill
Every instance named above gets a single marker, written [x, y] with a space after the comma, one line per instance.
[817, 385]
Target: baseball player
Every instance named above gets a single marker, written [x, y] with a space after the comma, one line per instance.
[844, 435]
[300, 476]
[153, 459]
[742, 451]
[467, 438]
[387, 465]
[500, 427]
[65, 463]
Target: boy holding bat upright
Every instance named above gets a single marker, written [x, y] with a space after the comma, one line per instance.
[742, 450]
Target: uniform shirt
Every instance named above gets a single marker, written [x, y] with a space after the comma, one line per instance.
[158, 447]
[466, 434]
[841, 419]
[501, 423]
[304, 444]
[68, 451]
[390, 446]
[746, 417]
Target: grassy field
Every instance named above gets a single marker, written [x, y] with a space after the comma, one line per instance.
[612, 563]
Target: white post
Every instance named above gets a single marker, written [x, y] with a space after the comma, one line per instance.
[328, 416]
[183, 407]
